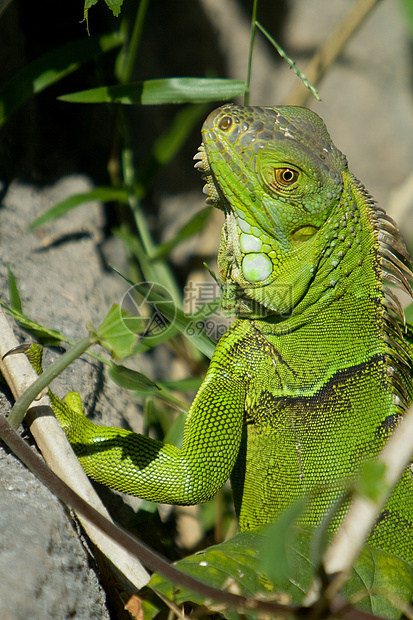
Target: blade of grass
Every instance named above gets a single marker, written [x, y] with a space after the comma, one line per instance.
[43, 334]
[190, 228]
[14, 294]
[167, 145]
[52, 67]
[136, 249]
[289, 60]
[128, 55]
[100, 194]
[332, 47]
[169, 142]
[157, 92]
[251, 49]
[164, 149]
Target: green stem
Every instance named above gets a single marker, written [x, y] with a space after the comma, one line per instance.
[253, 29]
[126, 70]
[24, 401]
[158, 270]
[289, 60]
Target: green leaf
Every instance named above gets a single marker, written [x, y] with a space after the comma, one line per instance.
[135, 247]
[175, 433]
[372, 482]
[275, 557]
[183, 385]
[385, 582]
[236, 564]
[289, 61]
[169, 142]
[118, 332]
[115, 6]
[131, 379]
[45, 335]
[190, 228]
[156, 92]
[14, 294]
[52, 67]
[100, 194]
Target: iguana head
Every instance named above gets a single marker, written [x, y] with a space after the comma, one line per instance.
[296, 219]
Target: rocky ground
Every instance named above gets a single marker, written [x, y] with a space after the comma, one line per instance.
[62, 271]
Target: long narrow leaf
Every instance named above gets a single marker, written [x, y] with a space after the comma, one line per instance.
[52, 67]
[131, 379]
[100, 194]
[14, 294]
[168, 144]
[155, 92]
[289, 60]
[193, 226]
[43, 334]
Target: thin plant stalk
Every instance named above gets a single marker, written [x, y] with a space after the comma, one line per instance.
[251, 48]
[331, 48]
[126, 68]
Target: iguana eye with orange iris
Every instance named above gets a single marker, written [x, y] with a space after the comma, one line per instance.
[225, 123]
[284, 177]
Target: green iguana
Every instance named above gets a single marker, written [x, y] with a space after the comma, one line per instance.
[313, 375]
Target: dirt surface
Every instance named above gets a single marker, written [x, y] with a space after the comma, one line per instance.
[62, 269]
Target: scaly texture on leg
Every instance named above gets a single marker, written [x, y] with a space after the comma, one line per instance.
[142, 466]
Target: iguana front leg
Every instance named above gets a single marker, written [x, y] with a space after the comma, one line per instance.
[149, 469]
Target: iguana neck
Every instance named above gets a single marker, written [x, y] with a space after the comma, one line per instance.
[362, 249]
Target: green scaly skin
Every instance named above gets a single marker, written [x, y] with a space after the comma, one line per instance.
[314, 373]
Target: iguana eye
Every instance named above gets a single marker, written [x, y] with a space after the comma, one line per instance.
[284, 177]
[225, 123]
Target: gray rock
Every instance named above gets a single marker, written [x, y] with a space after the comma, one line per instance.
[45, 571]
